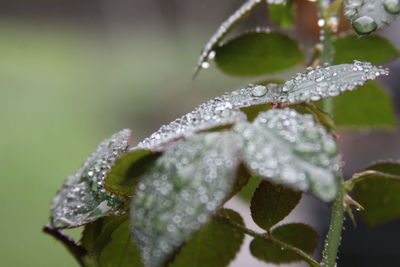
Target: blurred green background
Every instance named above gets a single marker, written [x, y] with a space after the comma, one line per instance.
[74, 72]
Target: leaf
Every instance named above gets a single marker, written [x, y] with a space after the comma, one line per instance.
[257, 53]
[367, 16]
[248, 190]
[109, 243]
[223, 30]
[313, 85]
[295, 234]
[377, 189]
[282, 14]
[369, 107]
[272, 203]
[288, 148]
[372, 48]
[325, 82]
[125, 173]
[82, 199]
[189, 182]
[120, 251]
[215, 244]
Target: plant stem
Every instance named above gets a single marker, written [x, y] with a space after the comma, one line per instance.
[328, 49]
[297, 251]
[334, 235]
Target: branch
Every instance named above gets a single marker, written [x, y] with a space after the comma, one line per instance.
[76, 250]
[297, 251]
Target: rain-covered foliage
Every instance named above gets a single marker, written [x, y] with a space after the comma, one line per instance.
[161, 202]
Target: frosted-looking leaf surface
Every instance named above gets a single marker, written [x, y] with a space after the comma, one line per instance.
[223, 30]
[277, 2]
[367, 16]
[291, 149]
[189, 182]
[313, 85]
[83, 199]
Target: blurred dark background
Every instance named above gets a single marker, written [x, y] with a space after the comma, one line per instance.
[74, 72]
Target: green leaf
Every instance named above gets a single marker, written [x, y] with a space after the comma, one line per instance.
[257, 53]
[125, 173]
[189, 182]
[291, 149]
[224, 110]
[83, 199]
[377, 189]
[373, 48]
[272, 203]
[282, 14]
[367, 16]
[109, 243]
[369, 107]
[120, 251]
[248, 190]
[223, 30]
[296, 234]
[215, 244]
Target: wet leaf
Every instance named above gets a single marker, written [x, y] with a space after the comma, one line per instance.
[372, 48]
[223, 30]
[377, 189]
[125, 173]
[257, 53]
[189, 182]
[369, 107]
[296, 234]
[367, 16]
[83, 199]
[272, 203]
[313, 85]
[215, 244]
[325, 82]
[291, 149]
[282, 14]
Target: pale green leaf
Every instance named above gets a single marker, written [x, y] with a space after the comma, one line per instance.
[367, 16]
[83, 199]
[291, 149]
[189, 182]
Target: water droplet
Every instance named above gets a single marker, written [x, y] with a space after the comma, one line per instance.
[364, 25]
[321, 22]
[259, 90]
[205, 65]
[392, 6]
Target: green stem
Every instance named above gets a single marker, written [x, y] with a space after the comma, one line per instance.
[334, 235]
[297, 251]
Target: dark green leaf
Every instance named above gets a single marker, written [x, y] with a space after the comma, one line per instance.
[189, 182]
[223, 30]
[126, 171]
[378, 190]
[297, 235]
[215, 244]
[120, 251]
[367, 16]
[282, 14]
[272, 203]
[373, 48]
[369, 107]
[258, 53]
[289, 148]
[83, 199]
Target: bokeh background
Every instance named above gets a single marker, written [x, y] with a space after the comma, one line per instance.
[74, 72]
